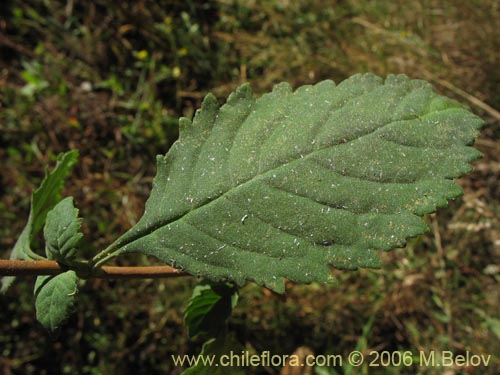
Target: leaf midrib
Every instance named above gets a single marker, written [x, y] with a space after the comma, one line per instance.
[161, 223]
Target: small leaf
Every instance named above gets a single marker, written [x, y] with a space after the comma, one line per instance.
[62, 231]
[49, 193]
[55, 298]
[287, 184]
[212, 350]
[43, 200]
[209, 308]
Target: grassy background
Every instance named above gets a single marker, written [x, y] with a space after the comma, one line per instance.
[111, 79]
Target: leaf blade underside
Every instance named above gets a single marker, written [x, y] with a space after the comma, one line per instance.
[287, 184]
[55, 298]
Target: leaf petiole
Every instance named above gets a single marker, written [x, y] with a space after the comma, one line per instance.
[107, 254]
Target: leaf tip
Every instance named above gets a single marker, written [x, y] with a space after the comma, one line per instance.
[277, 285]
[204, 117]
[244, 89]
[282, 88]
[71, 157]
[326, 84]
[209, 102]
[5, 283]
[396, 79]
[243, 92]
[184, 123]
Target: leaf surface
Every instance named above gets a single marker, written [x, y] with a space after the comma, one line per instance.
[62, 231]
[43, 200]
[287, 184]
[55, 298]
[208, 309]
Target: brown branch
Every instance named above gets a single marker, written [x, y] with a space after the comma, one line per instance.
[49, 267]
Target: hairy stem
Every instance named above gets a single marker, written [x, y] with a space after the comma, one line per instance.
[103, 258]
[98, 258]
[49, 267]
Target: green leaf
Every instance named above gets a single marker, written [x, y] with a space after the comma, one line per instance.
[49, 193]
[213, 349]
[43, 200]
[284, 185]
[55, 298]
[209, 308]
[62, 231]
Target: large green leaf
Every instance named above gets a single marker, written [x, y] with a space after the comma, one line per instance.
[43, 200]
[284, 185]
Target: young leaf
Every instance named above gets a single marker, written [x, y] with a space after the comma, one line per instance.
[284, 185]
[55, 298]
[43, 200]
[62, 231]
[213, 349]
[209, 307]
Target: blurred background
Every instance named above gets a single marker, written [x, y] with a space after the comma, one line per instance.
[111, 79]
